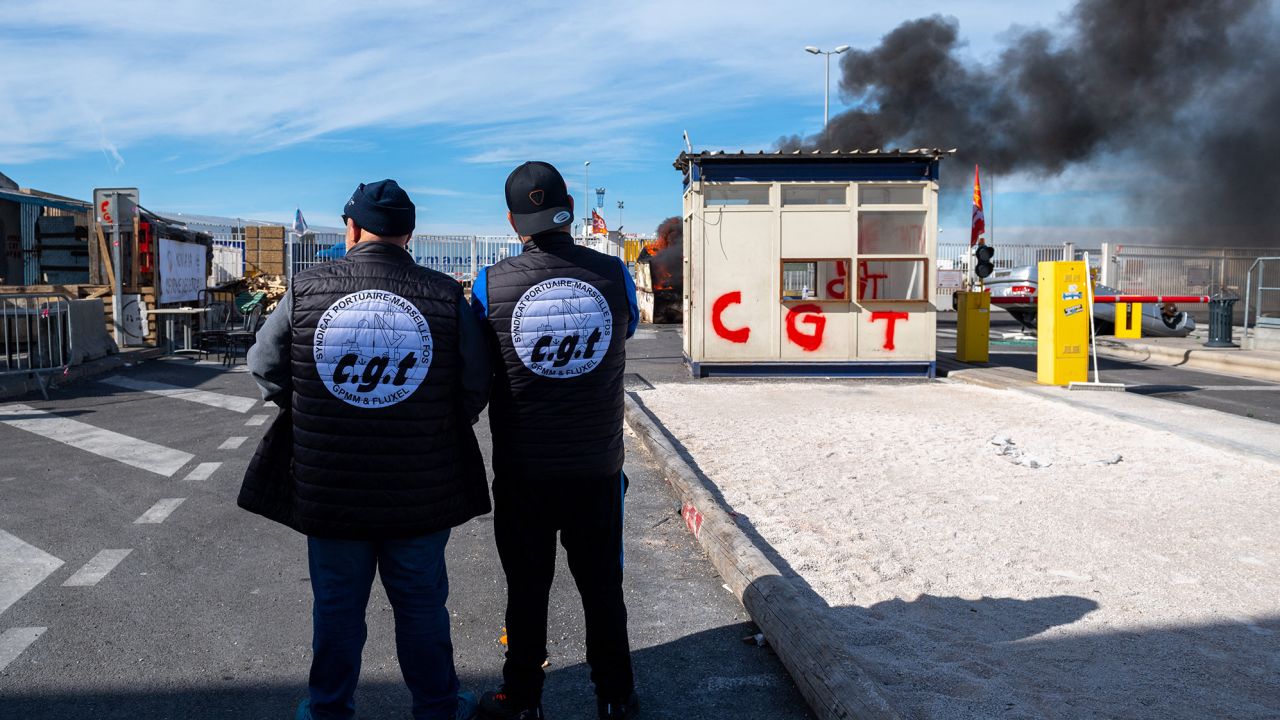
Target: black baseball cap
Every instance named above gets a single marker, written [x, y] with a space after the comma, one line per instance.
[538, 198]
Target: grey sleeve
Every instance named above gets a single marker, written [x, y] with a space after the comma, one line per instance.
[477, 370]
[269, 357]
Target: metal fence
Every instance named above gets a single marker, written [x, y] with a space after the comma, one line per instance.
[956, 256]
[36, 335]
[1158, 270]
[460, 256]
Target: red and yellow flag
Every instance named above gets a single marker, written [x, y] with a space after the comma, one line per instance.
[979, 220]
[597, 224]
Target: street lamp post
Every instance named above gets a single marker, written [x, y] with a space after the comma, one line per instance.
[619, 215]
[826, 86]
[586, 168]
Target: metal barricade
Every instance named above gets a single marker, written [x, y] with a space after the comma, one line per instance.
[1253, 294]
[35, 335]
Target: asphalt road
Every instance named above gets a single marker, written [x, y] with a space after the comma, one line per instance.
[1231, 394]
[207, 615]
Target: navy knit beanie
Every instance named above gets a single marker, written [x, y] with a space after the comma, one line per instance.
[382, 208]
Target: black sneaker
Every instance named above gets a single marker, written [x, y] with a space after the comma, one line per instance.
[628, 708]
[497, 705]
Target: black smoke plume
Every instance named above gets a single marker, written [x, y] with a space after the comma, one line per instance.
[1187, 92]
[665, 255]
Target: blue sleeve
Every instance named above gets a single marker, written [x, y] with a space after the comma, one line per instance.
[480, 294]
[631, 299]
[476, 369]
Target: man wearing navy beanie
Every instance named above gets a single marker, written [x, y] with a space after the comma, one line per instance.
[383, 368]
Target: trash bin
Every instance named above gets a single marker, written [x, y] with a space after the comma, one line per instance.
[1220, 311]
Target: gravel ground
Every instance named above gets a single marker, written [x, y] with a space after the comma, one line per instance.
[988, 554]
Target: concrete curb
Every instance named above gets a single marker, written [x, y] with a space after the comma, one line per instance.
[1233, 362]
[831, 681]
[17, 386]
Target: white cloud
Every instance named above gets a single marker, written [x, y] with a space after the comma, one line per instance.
[242, 77]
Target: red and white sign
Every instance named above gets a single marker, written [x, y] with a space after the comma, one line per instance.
[114, 206]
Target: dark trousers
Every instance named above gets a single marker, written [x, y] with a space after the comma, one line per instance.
[413, 572]
[587, 513]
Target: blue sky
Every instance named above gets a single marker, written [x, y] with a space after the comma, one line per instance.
[250, 109]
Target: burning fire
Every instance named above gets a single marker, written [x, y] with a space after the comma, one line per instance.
[665, 253]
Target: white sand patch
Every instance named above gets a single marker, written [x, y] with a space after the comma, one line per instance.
[985, 554]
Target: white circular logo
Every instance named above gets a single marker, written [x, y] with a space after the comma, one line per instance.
[562, 328]
[561, 217]
[372, 348]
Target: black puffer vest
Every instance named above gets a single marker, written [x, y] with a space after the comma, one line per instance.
[380, 447]
[559, 312]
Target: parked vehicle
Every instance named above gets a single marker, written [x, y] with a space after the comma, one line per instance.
[1164, 320]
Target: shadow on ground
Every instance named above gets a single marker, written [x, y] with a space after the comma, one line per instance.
[693, 677]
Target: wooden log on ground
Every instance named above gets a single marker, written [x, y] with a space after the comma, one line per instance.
[830, 679]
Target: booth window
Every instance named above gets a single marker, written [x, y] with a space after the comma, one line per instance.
[890, 195]
[814, 195]
[736, 195]
[891, 233]
[892, 279]
[816, 280]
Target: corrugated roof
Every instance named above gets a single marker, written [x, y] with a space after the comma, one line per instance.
[56, 201]
[682, 163]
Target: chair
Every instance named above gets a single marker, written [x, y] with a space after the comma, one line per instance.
[216, 323]
[244, 336]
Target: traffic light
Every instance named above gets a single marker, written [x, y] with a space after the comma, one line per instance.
[984, 267]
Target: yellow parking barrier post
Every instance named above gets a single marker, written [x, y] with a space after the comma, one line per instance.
[973, 326]
[1128, 320]
[1062, 324]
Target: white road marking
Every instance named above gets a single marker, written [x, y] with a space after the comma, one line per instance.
[22, 567]
[256, 420]
[1248, 560]
[159, 511]
[97, 568]
[203, 471]
[14, 640]
[90, 438]
[232, 443]
[204, 397]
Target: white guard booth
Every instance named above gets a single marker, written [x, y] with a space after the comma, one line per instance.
[811, 263]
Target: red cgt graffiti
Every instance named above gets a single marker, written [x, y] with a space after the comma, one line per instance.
[808, 314]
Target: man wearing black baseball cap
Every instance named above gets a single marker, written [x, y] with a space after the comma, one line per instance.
[558, 315]
[380, 366]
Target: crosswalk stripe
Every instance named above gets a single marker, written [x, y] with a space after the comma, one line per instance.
[97, 568]
[256, 420]
[14, 640]
[204, 397]
[158, 512]
[90, 438]
[203, 471]
[22, 567]
[232, 443]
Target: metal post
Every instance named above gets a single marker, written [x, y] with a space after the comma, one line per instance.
[474, 245]
[826, 95]
[117, 262]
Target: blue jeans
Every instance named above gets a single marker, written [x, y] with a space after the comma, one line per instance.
[413, 572]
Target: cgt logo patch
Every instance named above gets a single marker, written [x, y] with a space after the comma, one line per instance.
[372, 348]
[561, 328]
